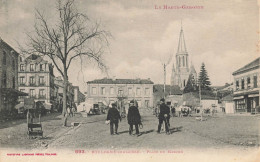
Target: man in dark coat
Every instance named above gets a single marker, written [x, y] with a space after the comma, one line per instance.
[133, 118]
[164, 116]
[113, 116]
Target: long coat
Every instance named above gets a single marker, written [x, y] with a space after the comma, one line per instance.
[164, 109]
[113, 115]
[133, 115]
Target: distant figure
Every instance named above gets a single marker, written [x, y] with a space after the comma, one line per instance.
[73, 110]
[173, 111]
[133, 118]
[84, 107]
[164, 116]
[113, 116]
[68, 110]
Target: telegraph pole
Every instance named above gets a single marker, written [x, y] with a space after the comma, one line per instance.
[200, 101]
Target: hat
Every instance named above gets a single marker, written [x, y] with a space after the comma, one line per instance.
[132, 101]
[162, 100]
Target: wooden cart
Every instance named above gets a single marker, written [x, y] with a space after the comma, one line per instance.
[34, 129]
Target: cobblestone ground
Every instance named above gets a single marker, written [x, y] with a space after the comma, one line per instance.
[13, 134]
[219, 132]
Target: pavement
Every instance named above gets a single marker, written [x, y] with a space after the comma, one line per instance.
[92, 133]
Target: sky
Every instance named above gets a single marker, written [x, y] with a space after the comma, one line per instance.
[223, 35]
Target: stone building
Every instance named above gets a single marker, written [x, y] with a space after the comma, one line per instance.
[112, 90]
[78, 96]
[37, 79]
[59, 83]
[8, 76]
[180, 74]
[246, 87]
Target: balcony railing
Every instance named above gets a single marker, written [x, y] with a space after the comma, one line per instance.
[32, 84]
[42, 84]
[42, 97]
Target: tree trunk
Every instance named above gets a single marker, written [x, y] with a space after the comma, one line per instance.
[64, 110]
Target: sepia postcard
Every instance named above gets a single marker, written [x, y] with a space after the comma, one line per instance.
[129, 80]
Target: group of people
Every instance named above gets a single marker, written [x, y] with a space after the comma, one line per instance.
[134, 118]
[71, 110]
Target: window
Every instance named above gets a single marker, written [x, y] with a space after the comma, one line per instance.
[240, 104]
[41, 80]
[138, 91]
[103, 90]
[41, 67]
[112, 90]
[31, 67]
[13, 64]
[242, 84]
[255, 81]
[183, 62]
[248, 82]
[22, 67]
[13, 82]
[120, 92]
[147, 103]
[41, 93]
[94, 90]
[4, 79]
[4, 58]
[147, 91]
[32, 81]
[22, 90]
[237, 85]
[130, 91]
[32, 92]
[22, 81]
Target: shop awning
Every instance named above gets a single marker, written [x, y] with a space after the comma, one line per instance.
[237, 98]
[253, 95]
[12, 92]
[19, 105]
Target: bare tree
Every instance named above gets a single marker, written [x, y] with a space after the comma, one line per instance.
[71, 36]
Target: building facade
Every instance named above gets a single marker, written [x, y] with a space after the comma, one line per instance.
[180, 74]
[78, 96]
[8, 76]
[112, 90]
[37, 79]
[59, 83]
[246, 87]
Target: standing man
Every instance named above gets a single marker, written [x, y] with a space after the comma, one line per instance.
[164, 116]
[113, 116]
[133, 118]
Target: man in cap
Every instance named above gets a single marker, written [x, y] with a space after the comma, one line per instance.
[164, 115]
[133, 118]
[113, 116]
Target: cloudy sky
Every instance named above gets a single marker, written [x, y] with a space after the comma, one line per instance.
[223, 35]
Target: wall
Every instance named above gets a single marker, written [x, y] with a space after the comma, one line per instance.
[109, 97]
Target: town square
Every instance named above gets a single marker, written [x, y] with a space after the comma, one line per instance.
[153, 78]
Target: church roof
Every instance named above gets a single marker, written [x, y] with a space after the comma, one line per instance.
[181, 45]
[252, 65]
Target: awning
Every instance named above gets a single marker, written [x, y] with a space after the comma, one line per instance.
[253, 95]
[237, 98]
[11, 91]
[19, 105]
[47, 105]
